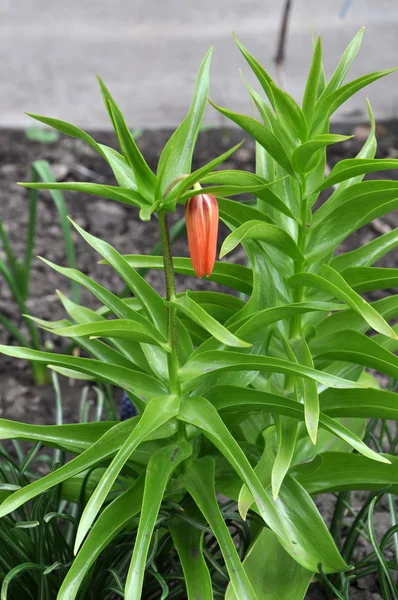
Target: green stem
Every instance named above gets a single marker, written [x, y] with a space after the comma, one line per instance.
[171, 311]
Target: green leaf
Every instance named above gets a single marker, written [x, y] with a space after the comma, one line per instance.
[131, 350]
[273, 573]
[140, 384]
[311, 87]
[305, 157]
[176, 157]
[68, 129]
[260, 187]
[234, 190]
[329, 103]
[235, 276]
[76, 436]
[345, 62]
[206, 362]
[289, 112]
[268, 316]
[309, 389]
[123, 195]
[150, 300]
[286, 429]
[96, 348]
[96, 453]
[263, 135]
[334, 284]
[366, 279]
[188, 541]
[194, 311]
[230, 398]
[157, 412]
[116, 328]
[353, 167]
[251, 323]
[234, 213]
[352, 346]
[293, 533]
[146, 180]
[258, 230]
[328, 233]
[199, 481]
[263, 78]
[111, 521]
[160, 468]
[368, 403]
[123, 173]
[350, 319]
[198, 175]
[338, 471]
[367, 254]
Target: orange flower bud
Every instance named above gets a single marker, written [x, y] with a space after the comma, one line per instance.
[201, 215]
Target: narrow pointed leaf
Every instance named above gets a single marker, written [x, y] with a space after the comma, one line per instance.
[207, 362]
[353, 167]
[329, 103]
[263, 135]
[264, 79]
[345, 62]
[199, 481]
[306, 548]
[123, 195]
[332, 472]
[150, 300]
[68, 129]
[176, 157]
[258, 230]
[158, 412]
[160, 468]
[368, 254]
[188, 541]
[304, 158]
[355, 347]
[228, 397]
[366, 279]
[289, 112]
[141, 385]
[287, 429]
[194, 311]
[334, 284]
[142, 172]
[100, 450]
[199, 174]
[234, 276]
[113, 519]
[309, 390]
[273, 573]
[117, 328]
[311, 88]
[369, 403]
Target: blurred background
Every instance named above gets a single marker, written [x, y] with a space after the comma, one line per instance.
[148, 53]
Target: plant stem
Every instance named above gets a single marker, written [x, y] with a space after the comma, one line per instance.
[170, 295]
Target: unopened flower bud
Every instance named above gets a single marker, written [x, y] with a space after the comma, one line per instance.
[201, 215]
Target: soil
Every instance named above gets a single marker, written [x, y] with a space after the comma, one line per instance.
[119, 225]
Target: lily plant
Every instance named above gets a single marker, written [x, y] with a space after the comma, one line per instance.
[262, 394]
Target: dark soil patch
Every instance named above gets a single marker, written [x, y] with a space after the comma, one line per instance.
[118, 224]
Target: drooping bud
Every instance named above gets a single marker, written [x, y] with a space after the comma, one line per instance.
[201, 215]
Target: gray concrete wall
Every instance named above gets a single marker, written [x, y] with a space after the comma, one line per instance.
[148, 52]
